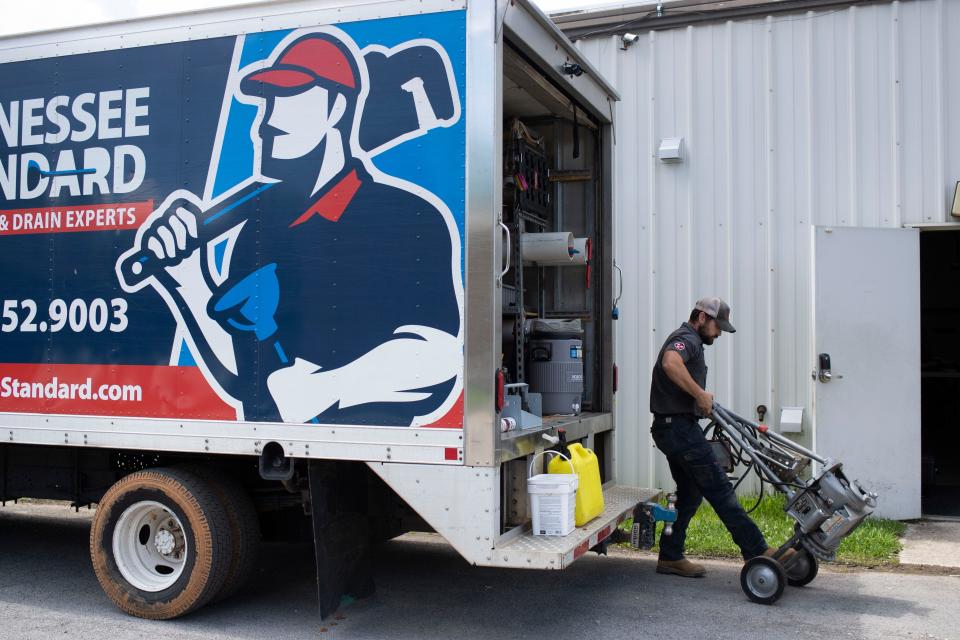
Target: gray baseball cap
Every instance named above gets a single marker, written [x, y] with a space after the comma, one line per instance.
[718, 310]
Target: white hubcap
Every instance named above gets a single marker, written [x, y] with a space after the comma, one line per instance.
[149, 546]
[762, 581]
[165, 542]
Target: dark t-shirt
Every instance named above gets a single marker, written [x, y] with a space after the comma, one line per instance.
[665, 396]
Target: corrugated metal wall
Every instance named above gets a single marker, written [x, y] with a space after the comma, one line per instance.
[847, 117]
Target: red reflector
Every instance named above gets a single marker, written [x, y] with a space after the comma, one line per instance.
[451, 453]
[763, 428]
[581, 549]
[501, 381]
[616, 378]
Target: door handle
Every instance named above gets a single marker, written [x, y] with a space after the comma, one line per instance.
[824, 373]
[509, 250]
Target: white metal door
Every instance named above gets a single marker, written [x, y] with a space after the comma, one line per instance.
[867, 318]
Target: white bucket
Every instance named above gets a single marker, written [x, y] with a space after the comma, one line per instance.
[552, 499]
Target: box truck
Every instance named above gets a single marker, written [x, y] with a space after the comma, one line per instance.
[332, 266]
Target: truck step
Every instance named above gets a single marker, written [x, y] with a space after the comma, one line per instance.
[523, 550]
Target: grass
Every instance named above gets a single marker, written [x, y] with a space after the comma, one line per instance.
[875, 542]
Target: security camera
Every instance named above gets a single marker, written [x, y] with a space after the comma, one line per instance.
[571, 69]
[628, 39]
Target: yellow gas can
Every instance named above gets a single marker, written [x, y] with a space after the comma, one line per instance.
[589, 500]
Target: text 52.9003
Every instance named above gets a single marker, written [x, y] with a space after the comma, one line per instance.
[76, 315]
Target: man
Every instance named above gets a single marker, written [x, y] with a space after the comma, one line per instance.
[677, 399]
[335, 299]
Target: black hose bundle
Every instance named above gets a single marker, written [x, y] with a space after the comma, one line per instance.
[737, 457]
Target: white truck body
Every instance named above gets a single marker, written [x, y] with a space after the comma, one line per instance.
[102, 121]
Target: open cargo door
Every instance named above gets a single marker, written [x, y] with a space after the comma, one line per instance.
[867, 324]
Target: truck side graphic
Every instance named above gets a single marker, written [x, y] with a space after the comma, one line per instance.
[374, 255]
[303, 282]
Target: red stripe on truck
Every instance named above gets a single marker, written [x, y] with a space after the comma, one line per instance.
[110, 390]
[453, 419]
[81, 217]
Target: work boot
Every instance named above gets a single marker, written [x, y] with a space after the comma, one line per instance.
[784, 558]
[682, 567]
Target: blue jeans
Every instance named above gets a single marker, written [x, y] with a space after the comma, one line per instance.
[698, 475]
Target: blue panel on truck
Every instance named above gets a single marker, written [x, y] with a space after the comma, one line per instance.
[264, 228]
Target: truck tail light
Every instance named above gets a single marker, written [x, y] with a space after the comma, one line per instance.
[500, 390]
[616, 378]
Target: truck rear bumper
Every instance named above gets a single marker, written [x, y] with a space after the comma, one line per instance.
[523, 550]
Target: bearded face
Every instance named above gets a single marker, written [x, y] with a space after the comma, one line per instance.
[708, 330]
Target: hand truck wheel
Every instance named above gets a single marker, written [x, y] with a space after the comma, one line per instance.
[763, 580]
[803, 569]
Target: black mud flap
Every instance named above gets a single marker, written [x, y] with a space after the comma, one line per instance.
[644, 531]
[341, 535]
[601, 547]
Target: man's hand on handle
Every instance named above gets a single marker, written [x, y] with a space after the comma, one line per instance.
[704, 403]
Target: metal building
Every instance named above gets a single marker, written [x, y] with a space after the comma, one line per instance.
[819, 151]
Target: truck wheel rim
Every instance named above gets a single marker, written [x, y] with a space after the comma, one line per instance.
[149, 546]
[762, 581]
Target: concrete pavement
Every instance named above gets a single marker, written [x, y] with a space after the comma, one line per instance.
[932, 544]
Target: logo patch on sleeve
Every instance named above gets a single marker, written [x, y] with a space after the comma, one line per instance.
[679, 346]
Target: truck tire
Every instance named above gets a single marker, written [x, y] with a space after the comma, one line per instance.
[160, 543]
[244, 526]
